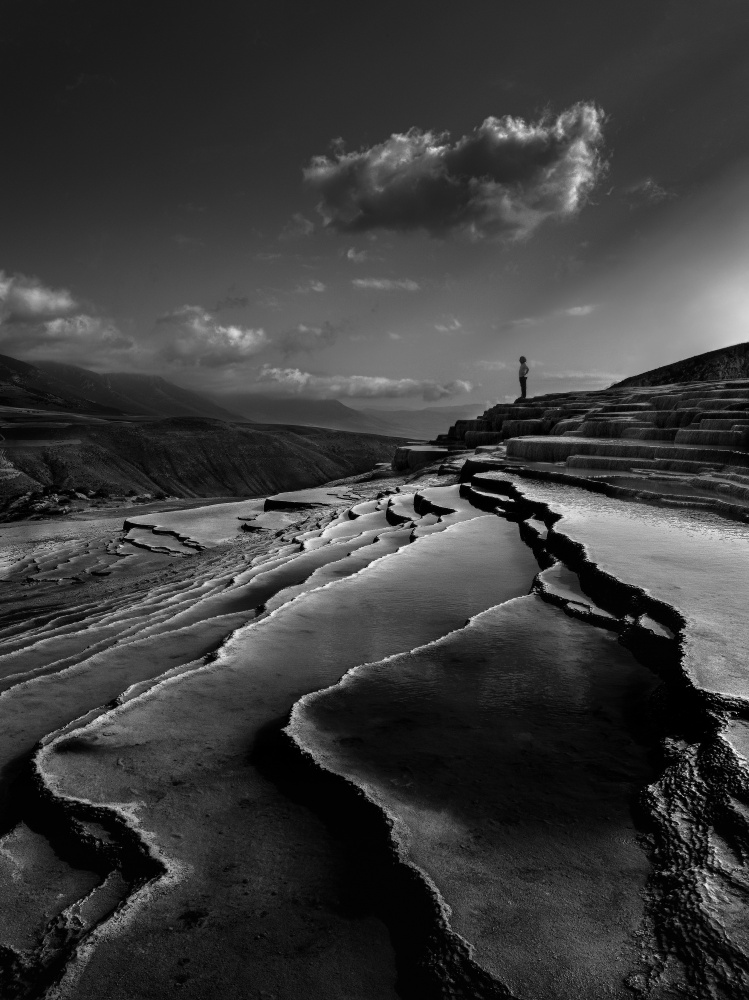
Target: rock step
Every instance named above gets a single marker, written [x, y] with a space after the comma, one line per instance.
[559, 449]
[652, 433]
[731, 424]
[609, 463]
[730, 439]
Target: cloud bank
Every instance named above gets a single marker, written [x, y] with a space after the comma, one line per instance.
[192, 337]
[24, 300]
[502, 180]
[295, 381]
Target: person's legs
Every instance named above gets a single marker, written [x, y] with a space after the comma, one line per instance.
[523, 382]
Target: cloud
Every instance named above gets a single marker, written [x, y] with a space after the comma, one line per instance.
[297, 227]
[502, 180]
[310, 286]
[192, 337]
[357, 256]
[646, 192]
[297, 382]
[386, 284]
[393, 335]
[307, 339]
[578, 310]
[24, 300]
[453, 325]
[91, 341]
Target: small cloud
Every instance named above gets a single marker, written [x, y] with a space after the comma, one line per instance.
[491, 366]
[386, 284]
[188, 242]
[297, 382]
[310, 286]
[393, 335]
[578, 310]
[268, 256]
[452, 325]
[646, 192]
[191, 336]
[297, 227]
[503, 180]
[357, 256]
[26, 300]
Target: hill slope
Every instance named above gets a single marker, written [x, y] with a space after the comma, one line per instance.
[306, 412]
[198, 457]
[713, 366]
[149, 395]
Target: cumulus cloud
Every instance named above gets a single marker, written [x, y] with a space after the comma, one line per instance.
[24, 300]
[295, 381]
[452, 325]
[305, 338]
[387, 284]
[192, 337]
[91, 341]
[356, 256]
[502, 180]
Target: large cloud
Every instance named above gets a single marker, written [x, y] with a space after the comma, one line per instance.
[91, 341]
[292, 380]
[24, 300]
[504, 179]
[192, 337]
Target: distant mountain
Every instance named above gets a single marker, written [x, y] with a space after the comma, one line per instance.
[305, 413]
[423, 423]
[427, 422]
[26, 385]
[713, 366]
[150, 395]
[51, 385]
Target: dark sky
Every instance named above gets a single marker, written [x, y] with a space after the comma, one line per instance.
[155, 216]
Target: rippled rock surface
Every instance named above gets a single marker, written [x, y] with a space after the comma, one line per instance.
[477, 733]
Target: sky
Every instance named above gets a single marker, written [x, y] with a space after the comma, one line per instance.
[382, 203]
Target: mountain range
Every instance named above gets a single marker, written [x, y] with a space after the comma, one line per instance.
[53, 386]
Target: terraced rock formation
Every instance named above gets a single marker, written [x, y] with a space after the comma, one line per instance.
[481, 730]
[696, 434]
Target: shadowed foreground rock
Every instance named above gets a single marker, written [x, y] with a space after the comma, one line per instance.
[480, 732]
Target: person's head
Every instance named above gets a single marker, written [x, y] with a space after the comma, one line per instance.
[522, 360]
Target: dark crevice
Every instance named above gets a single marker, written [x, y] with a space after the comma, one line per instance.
[433, 963]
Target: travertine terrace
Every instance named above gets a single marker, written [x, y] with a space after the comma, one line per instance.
[476, 730]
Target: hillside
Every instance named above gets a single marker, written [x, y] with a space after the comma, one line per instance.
[196, 457]
[149, 395]
[713, 366]
[330, 413]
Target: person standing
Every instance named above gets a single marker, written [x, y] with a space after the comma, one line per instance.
[523, 376]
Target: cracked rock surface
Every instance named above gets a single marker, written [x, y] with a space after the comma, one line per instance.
[481, 733]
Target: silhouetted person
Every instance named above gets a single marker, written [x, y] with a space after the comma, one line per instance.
[523, 375]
